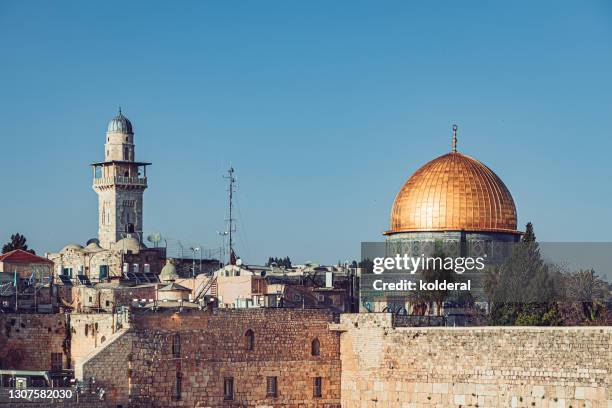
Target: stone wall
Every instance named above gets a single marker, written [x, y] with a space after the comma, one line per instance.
[106, 298]
[91, 331]
[386, 366]
[27, 340]
[213, 347]
[110, 368]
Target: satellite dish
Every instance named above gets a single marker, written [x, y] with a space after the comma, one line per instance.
[239, 262]
[154, 238]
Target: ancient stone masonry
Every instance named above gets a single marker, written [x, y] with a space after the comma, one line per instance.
[260, 357]
[28, 341]
[91, 331]
[386, 366]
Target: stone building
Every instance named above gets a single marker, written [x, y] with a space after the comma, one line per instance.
[253, 286]
[120, 182]
[56, 342]
[104, 297]
[455, 199]
[25, 263]
[26, 282]
[101, 265]
[453, 205]
[311, 358]
[257, 357]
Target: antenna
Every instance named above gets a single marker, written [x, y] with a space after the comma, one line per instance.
[232, 228]
[154, 238]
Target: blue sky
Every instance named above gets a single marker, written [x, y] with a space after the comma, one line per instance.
[323, 108]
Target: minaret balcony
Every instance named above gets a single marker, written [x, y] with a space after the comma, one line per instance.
[120, 180]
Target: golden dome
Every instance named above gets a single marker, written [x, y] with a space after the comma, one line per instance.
[452, 193]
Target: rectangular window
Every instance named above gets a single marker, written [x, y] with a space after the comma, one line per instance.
[67, 272]
[271, 387]
[135, 268]
[178, 386]
[228, 388]
[56, 362]
[176, 346]
[317, 387]
[103, 272]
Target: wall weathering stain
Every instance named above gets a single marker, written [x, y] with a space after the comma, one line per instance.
[384, 365]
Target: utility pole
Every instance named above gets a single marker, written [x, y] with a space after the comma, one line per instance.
[232, 180]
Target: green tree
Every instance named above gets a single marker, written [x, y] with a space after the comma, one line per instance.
[588, 290]
[522, 291]
[17, 241]
[438, 273]
[281, 262]
[529, 235]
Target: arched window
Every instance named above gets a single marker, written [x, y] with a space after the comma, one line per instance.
[315, 348]
[249, 339]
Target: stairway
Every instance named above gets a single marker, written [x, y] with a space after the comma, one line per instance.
[210, 285]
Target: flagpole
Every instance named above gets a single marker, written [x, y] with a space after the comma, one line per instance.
[16, 289]
[35, 294]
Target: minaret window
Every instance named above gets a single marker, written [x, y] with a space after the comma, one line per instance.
[126, 153]
[249, 338]
[176, 346]
[315, 348]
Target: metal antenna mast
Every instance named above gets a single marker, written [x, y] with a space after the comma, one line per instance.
[232, 228]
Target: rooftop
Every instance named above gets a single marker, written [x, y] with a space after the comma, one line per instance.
[21, 256]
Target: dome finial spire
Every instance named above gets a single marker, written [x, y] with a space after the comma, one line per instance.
[454, 138]
[120, 110]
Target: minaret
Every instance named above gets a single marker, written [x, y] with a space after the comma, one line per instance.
[120, 182]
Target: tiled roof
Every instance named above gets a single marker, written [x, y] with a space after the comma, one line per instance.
[21, 256]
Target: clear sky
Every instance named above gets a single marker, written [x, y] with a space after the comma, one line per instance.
[324, 108]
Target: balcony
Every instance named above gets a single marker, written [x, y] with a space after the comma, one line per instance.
[119, 180]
